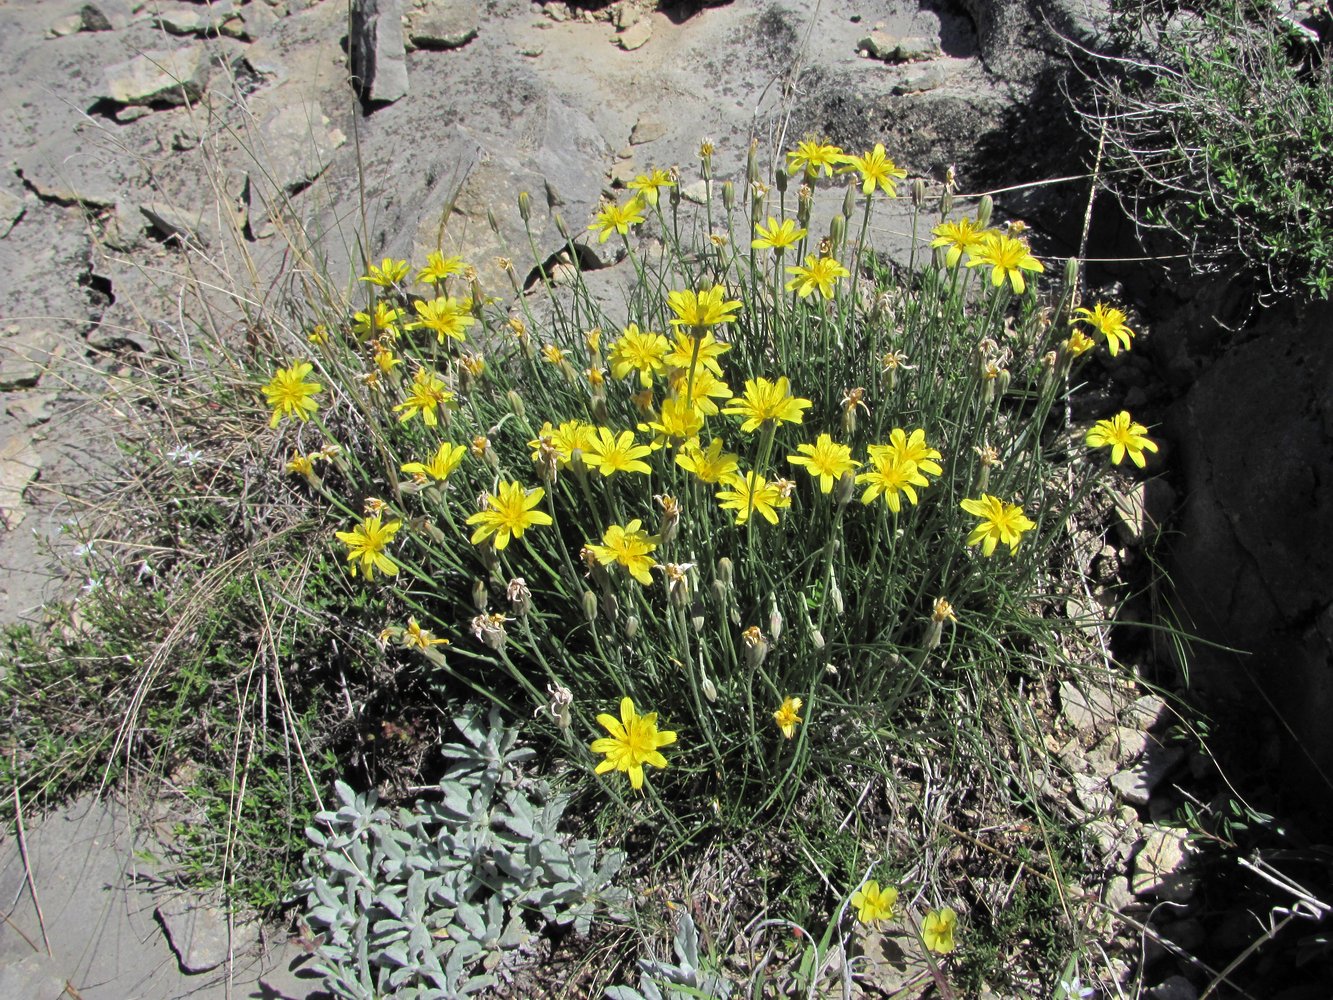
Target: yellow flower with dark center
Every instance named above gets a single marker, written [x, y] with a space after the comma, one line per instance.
[366, 543]
[937, 928]
[438, 267]
[388, 273]
[813, 155]
[767, 402]
[508, 513]
[710, 466]
[1110, 323]
[1000, 522]
[446, 316]
[874, 904]
[1123, 436]
[751, 493]
[786, 716]
[634, 741]
[962, 237]
[617, 219]
[641, 351]
[383, 325]
[706, 388]
[702, 309]
[1007, 258]
[416, 637]
[289, 393]
[825, 460]
[816, 274]
[629, 546]
[892, 477]
[610, 453]
[876, 170]
[778, 236]
[646, 186]
[440, 467]
[426, 396]
[682, 351]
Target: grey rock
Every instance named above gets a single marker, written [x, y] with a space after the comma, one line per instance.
[1175, 988]
[95, 18]
[696, 192]
[892, 48]
[299, 144]
[1136, 784]
[928, 77]
[170, 222]
[1092, 794]
[1117, 896]
[1123, 745]
[556, 11]
[124, 228]
[25, 353]
[1146, 711]
[1088, 712]
[1161, 865]
[167, 77]
[627, 15]
[132, 113]
[62, 27]
[32, 976]
[1131, 510]
[197, 931]
[186, 21]
[19, 464]
[636, 36]
[1115, 842]
[73, 182]
[622, 172]
[11, 210]
[379, 52]
[647, 129]
[441, 24]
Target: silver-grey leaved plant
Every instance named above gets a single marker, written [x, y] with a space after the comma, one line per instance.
[429, 903]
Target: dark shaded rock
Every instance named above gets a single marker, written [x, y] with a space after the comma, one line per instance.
[379, 53]
[159, 77]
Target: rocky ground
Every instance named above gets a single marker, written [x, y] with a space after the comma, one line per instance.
[135, 130]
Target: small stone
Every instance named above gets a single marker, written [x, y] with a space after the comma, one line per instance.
[131, 113]
[171, 223]
[1160, 865]
[1136, 784]
[622, 172]
[124, 228]
[164, 77]
[1146, 712]
[197, 932]
[556, 12]
[94, 19]
[878, 45]
[915, 48]
[70, 24]
[25, 354]
[1092, 794]
[183, 21]
[1123, 745]
[11, 210]
[697, 192]
[19, 465]
[299, 145]
[647, 129]
[636, 36]
[1086, 712]
[1175, 988]
[627, 15]
[1114, 842]
[1118, 897]
[915, 81]
[441, 24]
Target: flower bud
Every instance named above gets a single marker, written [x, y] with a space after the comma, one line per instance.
[780, 180]
[804, 203]
[752, 163]
[479, 596]
[673, 195]
[985, 208]
[918, 192]
[610, 606]
[1002, 382]
[775, 622]
[845, 488]
[1071, 272]
[560, 226]
[946, 204]
[631, 626]
[817, 639]
[728, 195]
[725, 572]
[492, 221]
[755, 646]
[709, 689]
[589, 605]
[520, 597]
[516, 404]
[835, 594]
[524, 206]
[837, 231]
[849, 202]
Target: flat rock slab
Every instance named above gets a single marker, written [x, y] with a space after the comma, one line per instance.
[25, 353]
[170, 77]
[1088, 711]
[1161, 865]
[441, 24]
[299, 145]
[197, 931]
[19, 465]
[1136, 784]
[379, 51]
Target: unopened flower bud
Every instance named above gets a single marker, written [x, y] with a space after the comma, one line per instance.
[775, 622]
[817, 638]
[479, 596]
[726, 571]
[985, 208]
[752, 163]
[946, 203]
[560, 226]
[590, 605]
[780, 180]
[631, 626]
[849, 202]
[728, 195]
[673, 195]
[918, 192]
[516, 404]
[835, 594]
[1002, 382]
[1071, 272]
[845, 488]
[610, 606]
[709, 688]
[837, 231]
[524, 206]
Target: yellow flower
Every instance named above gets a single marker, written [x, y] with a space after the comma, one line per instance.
[709, 466]
[365, 544]
[937, 929]
[706, 388]
[289, 393]
[1110, 323]
[447, 316]
[874, 904]
[427, 394]
[826, 460]
[552, 354]
[319, 335]
[678, 422]
[891, 475]
[913, 449]
[388, 273]
[629, 546]
[617, 219]
[778, 236]
[683, 350]
[786, 716]
[962, 237]
[1078, 343]
[301, 465]
[381, 326]
[1007, 257]
[820, 275]
[765, 402]
[473, 364]
[438, 267]
[508, 513]
[646, 186]
[438, 468]
[1121, 434]
[609, 453]
[641, 351]
[1000, 522]
[416, 637]
[876, 169]
[699, 310]
[569, 437]
[386, 361]
[812, 155]
[752, 493]
[634, 741]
